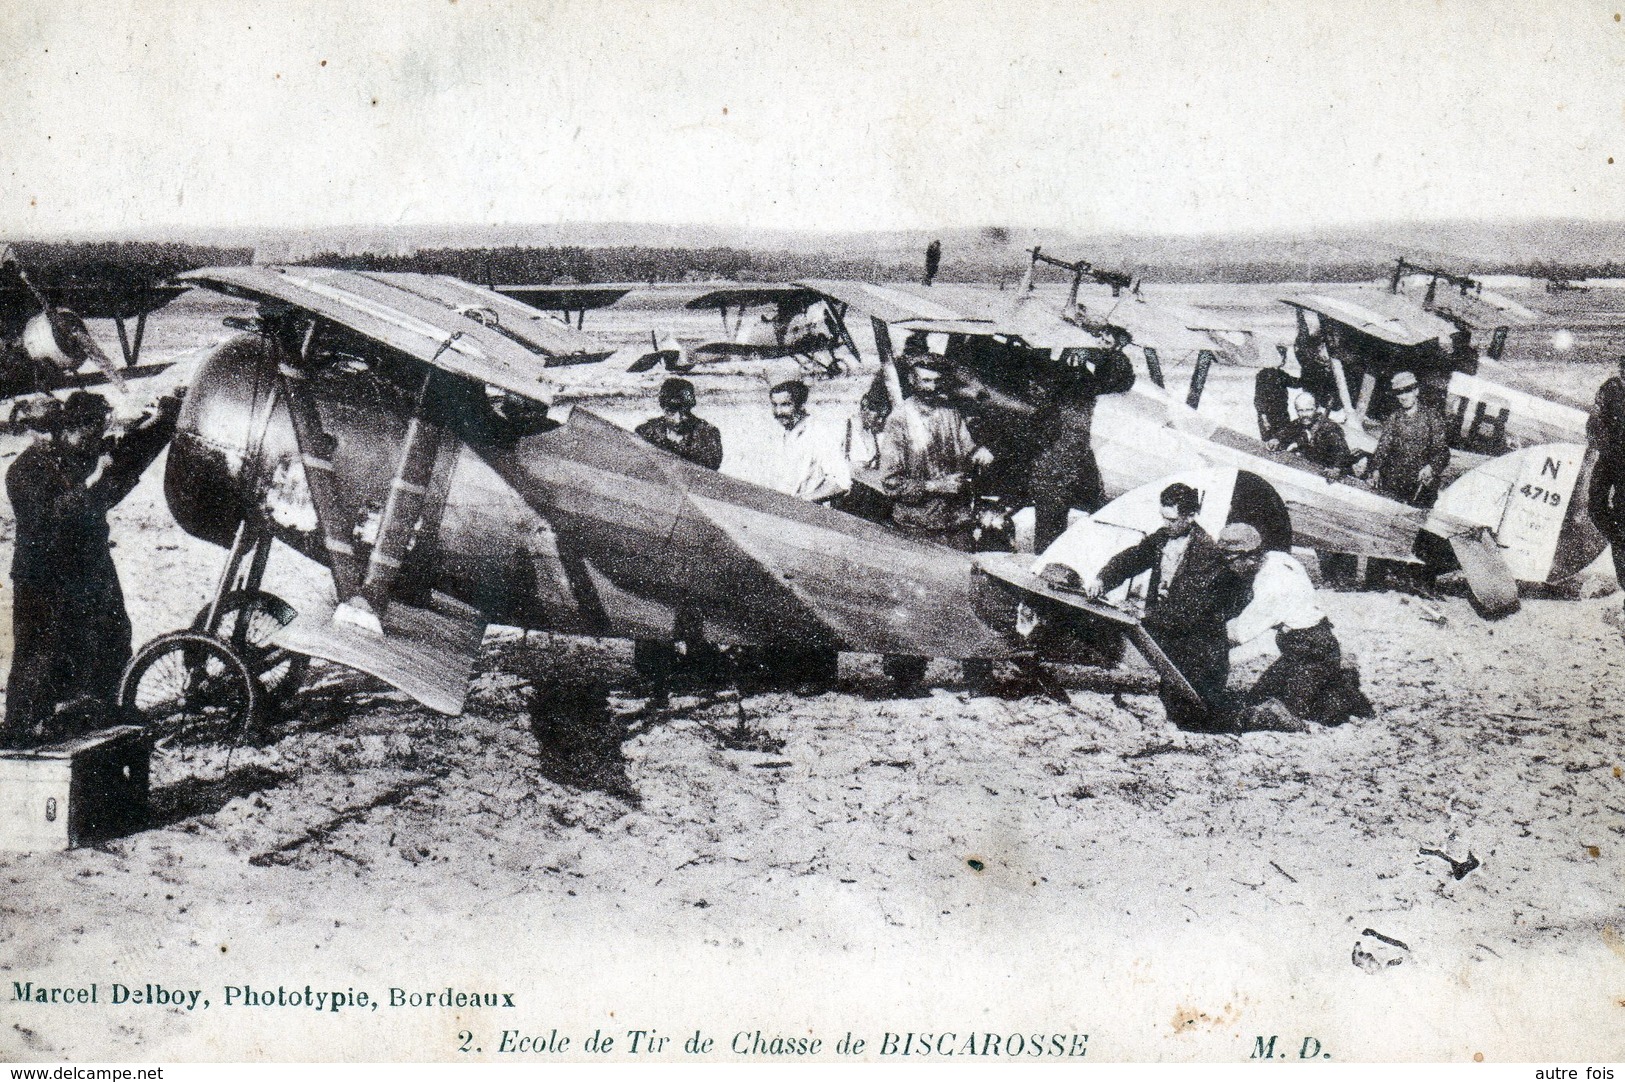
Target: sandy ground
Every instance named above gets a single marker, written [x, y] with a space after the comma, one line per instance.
[861, 863]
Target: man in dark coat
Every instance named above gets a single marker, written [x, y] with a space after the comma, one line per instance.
[1605, 430]
[70, 631]
[1320, 440]
[1270, 389]
[1065, 474]
[1193, 593]
[1413, 450]
[1315, 436]
[1408, 465]
[677, 429]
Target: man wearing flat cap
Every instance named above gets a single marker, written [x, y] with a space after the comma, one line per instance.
[70, 630]
[1308, 682]
[677, 429]
[1413, 450]
[1408, 465]
[1192, 593]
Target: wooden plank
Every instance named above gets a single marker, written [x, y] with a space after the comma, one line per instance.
[1006, 568]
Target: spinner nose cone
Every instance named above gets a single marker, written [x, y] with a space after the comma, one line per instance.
[225, 428]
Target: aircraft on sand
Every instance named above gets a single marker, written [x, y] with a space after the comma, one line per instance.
[1516, 518]
[389, 429]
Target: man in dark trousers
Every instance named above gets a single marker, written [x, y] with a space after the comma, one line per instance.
[70, 631]
[1065, 474]
[1308, 681]
[1270, 389]
[1193, 593]
[928, 460]
[1605, 430]
[677, 429]
[1408, 465]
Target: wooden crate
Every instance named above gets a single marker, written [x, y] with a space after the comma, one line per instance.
[80, 791]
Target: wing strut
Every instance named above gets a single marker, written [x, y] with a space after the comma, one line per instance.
[314, 453]
[404, 504]
[888, 368]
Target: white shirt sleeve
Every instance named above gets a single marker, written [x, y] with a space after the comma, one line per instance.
[1283, 596]
[809, 463]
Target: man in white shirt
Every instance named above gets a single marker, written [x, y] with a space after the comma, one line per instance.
[1308, 682]
[803, 461]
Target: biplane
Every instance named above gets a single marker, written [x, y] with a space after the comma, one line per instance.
[1360, 336]
[761, 321]
[44, 342]
[403, 432]
[1516, 518]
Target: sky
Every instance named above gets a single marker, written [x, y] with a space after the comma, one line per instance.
[141, 116]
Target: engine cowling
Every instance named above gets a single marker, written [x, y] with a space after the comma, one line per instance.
[232, 434]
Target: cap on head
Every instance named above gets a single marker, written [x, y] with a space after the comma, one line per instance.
[1239, 539]
[796, 389]
[677, 393]
[1403, 381]
[83, 408]
[1181, 497]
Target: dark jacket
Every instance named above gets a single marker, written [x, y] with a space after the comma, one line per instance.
[1270, 388]
[1605, 428]
[70, 631]
[1321, 441]
[699, 441]
[1189, 623]
[1204, 594]
[1409, 441]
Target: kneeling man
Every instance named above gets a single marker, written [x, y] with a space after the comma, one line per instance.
[1308, 681]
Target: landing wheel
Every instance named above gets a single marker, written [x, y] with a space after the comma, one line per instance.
[247, 619]
[190, 688]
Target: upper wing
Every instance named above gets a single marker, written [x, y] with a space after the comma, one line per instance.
[409, 317]
[961, 309]
[1385, 316]
[749, 296]
[559, 343]
[566, 298]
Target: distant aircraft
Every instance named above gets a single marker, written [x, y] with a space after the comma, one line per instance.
[795, 324]
[44, 343]
[1519, 517]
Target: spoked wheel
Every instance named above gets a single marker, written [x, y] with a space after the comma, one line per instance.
[246, 621]
[190, 689]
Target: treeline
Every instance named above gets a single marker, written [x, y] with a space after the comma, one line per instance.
[118, 262]
[567, 265]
